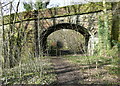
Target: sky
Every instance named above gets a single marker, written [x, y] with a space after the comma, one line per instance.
[20, 9]
[60, 3]
[53, 3]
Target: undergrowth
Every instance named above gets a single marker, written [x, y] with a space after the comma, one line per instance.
[97, 69]
[31, 71]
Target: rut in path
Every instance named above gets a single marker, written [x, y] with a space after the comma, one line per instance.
[67, 74]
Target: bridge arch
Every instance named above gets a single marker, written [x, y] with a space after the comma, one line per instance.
[78, 28]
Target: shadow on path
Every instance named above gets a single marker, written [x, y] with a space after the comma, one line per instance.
[62, 52]
[67, 74]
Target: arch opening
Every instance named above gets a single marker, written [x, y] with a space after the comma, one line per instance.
[62, 27]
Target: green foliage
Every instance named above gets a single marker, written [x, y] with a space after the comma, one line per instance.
[38, 5]
[28, 6]
[117, 44]
[88, 60]
[114, 53]
[101, 69]
[104, 35]
[114, 70]
[108, 36]
[67, 40]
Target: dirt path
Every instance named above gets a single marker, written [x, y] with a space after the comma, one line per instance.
[67, 74]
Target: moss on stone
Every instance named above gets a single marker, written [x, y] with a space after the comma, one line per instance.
[59, 11]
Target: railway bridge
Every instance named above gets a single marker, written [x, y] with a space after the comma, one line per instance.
[83, 18]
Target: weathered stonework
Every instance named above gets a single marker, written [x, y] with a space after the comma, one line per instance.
[83, 18]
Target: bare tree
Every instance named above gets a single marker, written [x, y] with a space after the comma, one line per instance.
[1, 43]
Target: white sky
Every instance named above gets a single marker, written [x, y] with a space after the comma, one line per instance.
[53, 3]
[60, 3]
[14, 5]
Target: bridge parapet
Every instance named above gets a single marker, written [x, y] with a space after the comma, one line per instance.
[57, 12]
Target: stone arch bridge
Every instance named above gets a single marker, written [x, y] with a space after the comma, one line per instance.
[82, 18]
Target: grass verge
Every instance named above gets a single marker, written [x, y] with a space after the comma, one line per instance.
[95, 69]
